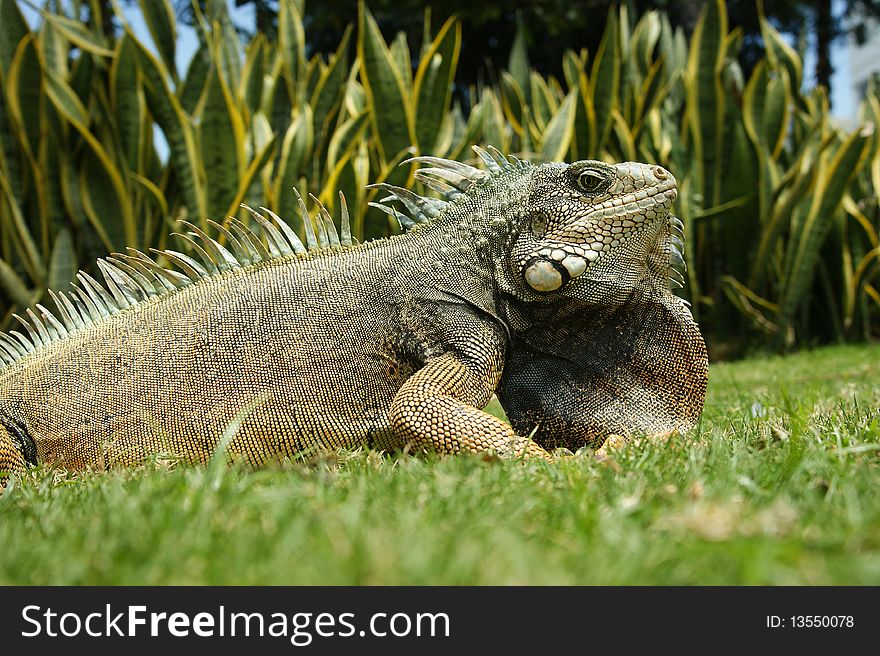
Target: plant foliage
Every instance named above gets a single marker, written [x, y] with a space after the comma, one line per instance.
[779, 204]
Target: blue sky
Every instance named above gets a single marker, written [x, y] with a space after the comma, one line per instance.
[844, 104]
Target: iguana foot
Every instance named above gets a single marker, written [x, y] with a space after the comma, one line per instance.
[614, 442]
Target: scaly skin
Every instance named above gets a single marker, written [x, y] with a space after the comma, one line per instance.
[546, 284]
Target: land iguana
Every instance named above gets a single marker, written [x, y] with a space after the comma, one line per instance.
[546, 284]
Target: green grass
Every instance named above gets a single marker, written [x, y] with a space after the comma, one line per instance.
[778, 485]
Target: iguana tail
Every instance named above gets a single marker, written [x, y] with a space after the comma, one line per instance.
[17, 449]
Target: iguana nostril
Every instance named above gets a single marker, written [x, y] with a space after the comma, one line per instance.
[660, 173]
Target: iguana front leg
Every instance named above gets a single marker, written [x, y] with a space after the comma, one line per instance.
[437, 410]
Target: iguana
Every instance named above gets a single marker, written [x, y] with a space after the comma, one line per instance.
[546, 284]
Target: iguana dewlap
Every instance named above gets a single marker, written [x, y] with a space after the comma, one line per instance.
[546, 284]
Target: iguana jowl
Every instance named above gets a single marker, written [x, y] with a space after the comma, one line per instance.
[546, 284]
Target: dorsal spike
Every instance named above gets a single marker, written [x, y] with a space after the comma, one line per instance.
[464, 170]
[292, 238]
[331, 229]
[51, 320]
[429, 207]
[439, 186]
[326, 221]
[415, 217]
[344, 221]
[190, 266]
[488, 160]
[87, 307]
[39, 326]
[35, 338]
[321, 231]
[70, 319]
[49, 325]
[121, 296]
[207, 262]
[103, 300]
[276, 243]
[311, 237]
[116, 294]
[249, 240]
[129, 285]
[405, 222]
[75, 308]
[135, 284]
[221, 257]
[502, 161]
[411, 201]
[26, 344]
[455, 179]
[239, 252]
[435, 204]
[385, 208]
[676, 259]
[144, 286]
[165, 279]
[11, 347]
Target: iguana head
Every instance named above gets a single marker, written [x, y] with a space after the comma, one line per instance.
[601, 346]
[593, 230]
[584, 255]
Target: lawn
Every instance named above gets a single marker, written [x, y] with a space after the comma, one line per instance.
[778, 485]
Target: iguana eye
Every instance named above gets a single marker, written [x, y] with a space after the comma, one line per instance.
[590, 181]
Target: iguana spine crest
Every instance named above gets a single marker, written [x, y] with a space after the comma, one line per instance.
[135, 277]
